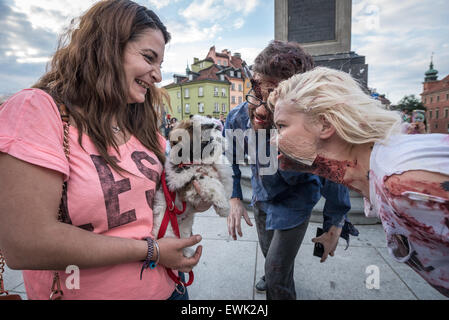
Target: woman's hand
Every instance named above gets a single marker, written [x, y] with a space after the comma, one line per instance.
[235, 217]
[329, 240]
[171, 255]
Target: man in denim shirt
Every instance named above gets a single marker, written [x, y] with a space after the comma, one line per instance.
[283, 200]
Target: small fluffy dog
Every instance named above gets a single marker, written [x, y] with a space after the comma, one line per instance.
[209, 167]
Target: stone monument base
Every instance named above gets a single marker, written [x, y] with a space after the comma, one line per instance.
[349, 62]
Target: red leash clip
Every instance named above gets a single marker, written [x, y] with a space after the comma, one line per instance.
[170, 216]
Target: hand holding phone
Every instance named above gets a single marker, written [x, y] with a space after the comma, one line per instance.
[318, 249]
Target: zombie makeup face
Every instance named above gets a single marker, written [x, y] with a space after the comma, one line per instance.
[297, 138]
[259, 114]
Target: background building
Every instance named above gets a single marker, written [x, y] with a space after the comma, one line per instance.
[435, 97]
[232, 68]
[212, 86]
[205, 92]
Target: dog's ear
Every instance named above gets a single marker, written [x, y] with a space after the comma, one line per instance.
[209, 126]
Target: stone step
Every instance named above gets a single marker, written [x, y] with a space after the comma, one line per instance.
[356, 214]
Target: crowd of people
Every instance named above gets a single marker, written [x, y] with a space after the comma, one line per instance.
[82, 154]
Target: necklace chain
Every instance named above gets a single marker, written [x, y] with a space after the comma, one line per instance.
[116, 129]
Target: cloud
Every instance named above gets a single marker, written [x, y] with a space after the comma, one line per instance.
[397, 38]
[51, 15]
[244, 7]
[191, 32]
[213, 10]
[202, 10]
[162, 3]
[21, 44]
[239, 22]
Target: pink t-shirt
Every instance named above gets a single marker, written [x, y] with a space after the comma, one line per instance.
[98, 198]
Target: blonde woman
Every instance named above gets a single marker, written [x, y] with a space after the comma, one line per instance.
[328, 126]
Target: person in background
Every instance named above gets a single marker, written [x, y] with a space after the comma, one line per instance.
[283, 201]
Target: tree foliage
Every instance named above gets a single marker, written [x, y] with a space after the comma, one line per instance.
[409, 103]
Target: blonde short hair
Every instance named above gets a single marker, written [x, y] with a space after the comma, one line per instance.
[334, 94]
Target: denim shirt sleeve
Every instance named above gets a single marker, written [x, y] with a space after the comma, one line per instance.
[337, 204]
[236, 187]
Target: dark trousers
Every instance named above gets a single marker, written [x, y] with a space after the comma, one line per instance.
[279, 248]
[176, 295]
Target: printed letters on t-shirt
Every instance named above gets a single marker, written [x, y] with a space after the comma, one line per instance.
[112, 188]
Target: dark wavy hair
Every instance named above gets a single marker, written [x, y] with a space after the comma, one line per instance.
[282, 59]
[87, 75]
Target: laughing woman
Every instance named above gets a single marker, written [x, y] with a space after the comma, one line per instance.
[328, 126]
[105, 75]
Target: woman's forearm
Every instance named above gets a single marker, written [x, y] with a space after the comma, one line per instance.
[60, 245]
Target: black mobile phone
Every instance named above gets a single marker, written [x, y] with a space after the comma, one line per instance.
[318, 249]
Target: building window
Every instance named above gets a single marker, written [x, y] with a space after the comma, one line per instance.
[436, 125]
[240, 99]
[216, 107]
[223, 107]
[438, 98]
[240, 87]
[190, 77]
[446, 112]
[223, 92]
[231, 73]
[200, 92]
[239, 74]
[431, 99]
[179, 94]
[187, 108]
[225, 63]
[219, 62]
[447, 96]
[233, 99]
[430, 114]
[200, 107]
[222, 78]
[448, 127]
[437, 113]
[248, 84]
[233, 87]
[216, 92]
[186, 93]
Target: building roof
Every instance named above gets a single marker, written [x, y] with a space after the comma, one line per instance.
[436, 86]
[209, 73]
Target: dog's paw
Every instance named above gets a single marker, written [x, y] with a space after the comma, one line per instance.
[222, 212]
[188, 252]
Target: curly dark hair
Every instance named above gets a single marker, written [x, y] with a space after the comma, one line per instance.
[282, 59]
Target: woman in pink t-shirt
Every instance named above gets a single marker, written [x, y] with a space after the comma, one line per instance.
[105, 75]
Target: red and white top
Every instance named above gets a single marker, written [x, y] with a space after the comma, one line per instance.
[416, 224]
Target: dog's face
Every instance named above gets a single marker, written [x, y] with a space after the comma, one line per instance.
[197, 140]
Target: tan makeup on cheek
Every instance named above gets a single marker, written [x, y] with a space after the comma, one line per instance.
[297, 148]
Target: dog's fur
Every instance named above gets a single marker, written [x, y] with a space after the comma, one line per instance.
[213, 174]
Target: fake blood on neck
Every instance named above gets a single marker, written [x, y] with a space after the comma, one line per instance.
[334, 170]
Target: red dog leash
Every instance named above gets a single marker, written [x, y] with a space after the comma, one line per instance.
[170, 216]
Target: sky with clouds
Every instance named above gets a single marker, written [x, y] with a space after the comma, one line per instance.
[397, 37]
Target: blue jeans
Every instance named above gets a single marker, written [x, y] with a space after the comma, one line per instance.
[176, 295]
